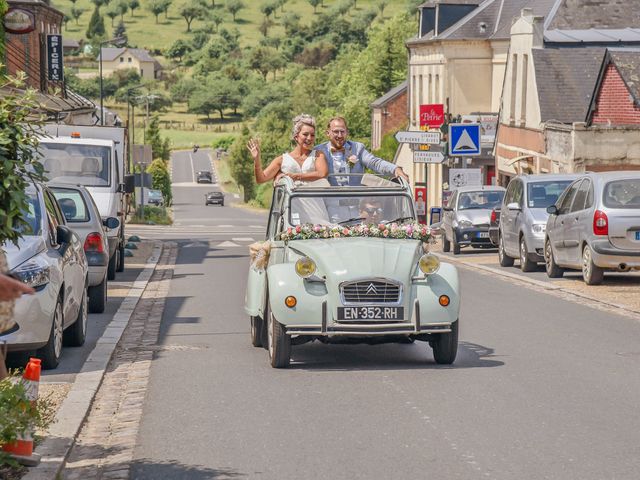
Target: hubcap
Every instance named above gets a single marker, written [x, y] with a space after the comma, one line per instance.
[501, 248]
[271, 327]
[586, 262]
[547, 257]
[84, 312]
[523, 251]
[57, 331]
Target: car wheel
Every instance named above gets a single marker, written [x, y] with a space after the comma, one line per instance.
[526, 265]
[279, 344]
[446, 244]
[75, 335]
[112, 266]
[552, 268]
[222, 204]
[256, 331]
[504, 259]
[98, 297]
[121, 257]
[591, 273]
[51, 352]
[455, 244]
[445, 346]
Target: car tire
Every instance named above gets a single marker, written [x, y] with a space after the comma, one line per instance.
[591, 273]
[75, 335]
[112, 266]
[121, 258]
[279, 344]
[446, 244]
[455, 245]
[504, 259]
[50, 354]
[98, 297]
[526, 265]
[550, 265]
[445, 346]
[256, 331]
[222, 204]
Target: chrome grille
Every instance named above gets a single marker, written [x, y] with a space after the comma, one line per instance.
[370, 292]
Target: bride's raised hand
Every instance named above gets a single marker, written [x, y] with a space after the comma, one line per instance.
[253, 145]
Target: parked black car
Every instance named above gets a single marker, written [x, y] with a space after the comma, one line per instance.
[204, 176]
[494, 226]
[214, 197]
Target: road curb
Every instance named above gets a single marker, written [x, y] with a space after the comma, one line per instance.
[540, 284]
[74, 409]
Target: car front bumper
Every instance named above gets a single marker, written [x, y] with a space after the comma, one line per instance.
[215, 200]
[606, 255]
[33, 314]
[473, 237]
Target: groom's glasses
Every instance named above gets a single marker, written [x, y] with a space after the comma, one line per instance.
[339, 132]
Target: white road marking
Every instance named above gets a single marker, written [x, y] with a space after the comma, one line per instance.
[228, 244]
[225, 226]
[242, 239]
[193, 170]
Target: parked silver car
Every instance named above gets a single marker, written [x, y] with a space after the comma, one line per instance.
[50, 259]
[595, 226]
[82, 215]
[465, 219]
[523, 217]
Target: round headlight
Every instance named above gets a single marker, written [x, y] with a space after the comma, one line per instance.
[429, 263]
[305, 267]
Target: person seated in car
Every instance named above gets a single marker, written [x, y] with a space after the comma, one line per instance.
[371, 210]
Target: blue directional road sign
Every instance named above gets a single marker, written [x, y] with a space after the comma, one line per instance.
[464, 139]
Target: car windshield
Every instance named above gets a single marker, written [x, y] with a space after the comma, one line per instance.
[79, 164]
[155, 194]
[31, 215]
[72, 205]
[350, 209]
[482, 199]
[622, 193]
[544, 194]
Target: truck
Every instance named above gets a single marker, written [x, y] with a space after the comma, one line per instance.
[95, 157]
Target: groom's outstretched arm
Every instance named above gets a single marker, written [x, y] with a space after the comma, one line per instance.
[376, 164]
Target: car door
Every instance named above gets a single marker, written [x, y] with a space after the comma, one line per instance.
[574, 222]
[560, 221]
[511, 240]
[257, 281]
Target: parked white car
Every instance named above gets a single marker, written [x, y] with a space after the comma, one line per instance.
[595, 226]
[82, 215]
[50, 259]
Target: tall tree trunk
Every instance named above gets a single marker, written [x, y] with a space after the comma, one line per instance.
[6, 318]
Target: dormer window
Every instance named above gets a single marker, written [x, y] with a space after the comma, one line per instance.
[129, 59]
[121, 59]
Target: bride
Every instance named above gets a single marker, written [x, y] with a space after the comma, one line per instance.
[302, 164]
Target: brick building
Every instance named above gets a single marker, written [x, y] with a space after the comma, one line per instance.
[388, 114]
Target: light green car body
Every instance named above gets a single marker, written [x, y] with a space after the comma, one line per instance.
[341, 260]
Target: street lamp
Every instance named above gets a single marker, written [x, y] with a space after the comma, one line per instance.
[117, 42]
[148, 97]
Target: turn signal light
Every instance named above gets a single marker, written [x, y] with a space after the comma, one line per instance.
[444, 300]
[75, 135]
[600, 223]
[93, 243]
[290, 301]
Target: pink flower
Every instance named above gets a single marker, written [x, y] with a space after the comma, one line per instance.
[289, 231]
[345, 231]
[409, 231]
[336, 235]
[385, 233]
[382, 226]
[353, 159]
[298, 228]
[316, 228]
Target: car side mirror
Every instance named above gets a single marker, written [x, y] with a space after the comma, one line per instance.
[63, 235]
[129, 184]
[111, 222]
[552, 210]
[514, 206]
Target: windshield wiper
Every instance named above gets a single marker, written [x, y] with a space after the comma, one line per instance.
[399, 219]
[351, 220]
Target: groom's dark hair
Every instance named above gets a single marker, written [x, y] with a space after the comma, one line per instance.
[332, 119]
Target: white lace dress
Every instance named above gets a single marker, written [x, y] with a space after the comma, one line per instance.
[289, 165]
[308, 210]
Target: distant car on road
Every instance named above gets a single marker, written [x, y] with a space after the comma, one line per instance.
[595, 226]
[214, 197]
[204, 176]
[466, 217]
[82, 216]
[523, 217]
[154, 197]
[49, 258]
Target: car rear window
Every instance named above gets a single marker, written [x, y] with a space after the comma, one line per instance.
[622, 193]
[72, 205]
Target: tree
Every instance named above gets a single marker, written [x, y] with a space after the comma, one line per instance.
[216, 95]
[190, 13]
[241, 165]
[161, 180]
[165, 7]
[266, 24]
[382, 4]
[316, 55]
[314, 4]
[123, 7]
[216, 19]
[156, 7]
[120, 30]
[178, 49]
[265, 60]
[267, 8]
[112, 12]
[96, 29]
[152, 137]
[76, 13]
[291, 23]
[234, 6]
[133, 5]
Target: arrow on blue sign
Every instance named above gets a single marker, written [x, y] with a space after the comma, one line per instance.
[464, 139]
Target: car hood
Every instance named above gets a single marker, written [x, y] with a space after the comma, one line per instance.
[475, 216]
[539, 215]
[342, 259]
[28, 246]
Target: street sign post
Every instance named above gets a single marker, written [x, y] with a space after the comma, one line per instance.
[427, 156]
[464, 139]
[418, 137]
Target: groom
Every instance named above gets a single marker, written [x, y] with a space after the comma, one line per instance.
[345, 156]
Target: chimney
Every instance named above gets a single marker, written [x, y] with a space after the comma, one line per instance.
[537, 27]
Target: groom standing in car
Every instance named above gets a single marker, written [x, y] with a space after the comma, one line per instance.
[345, 156]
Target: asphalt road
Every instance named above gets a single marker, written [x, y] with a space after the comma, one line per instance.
[542, 388]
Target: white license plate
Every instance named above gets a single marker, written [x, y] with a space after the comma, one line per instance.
[483, 235]
[394, 314]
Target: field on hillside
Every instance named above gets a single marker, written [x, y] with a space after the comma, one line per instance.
[143, 32]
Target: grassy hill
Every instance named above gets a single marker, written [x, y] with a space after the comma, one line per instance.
[143, 32]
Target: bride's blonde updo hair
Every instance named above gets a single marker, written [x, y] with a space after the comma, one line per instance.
[300, 121]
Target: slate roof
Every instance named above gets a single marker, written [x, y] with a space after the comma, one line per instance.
[111, 53]
[390, 95]
[628, 64]
[600, 14]
[566, 80]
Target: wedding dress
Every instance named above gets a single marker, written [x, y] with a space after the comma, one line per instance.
[289, 165]
[312, 210]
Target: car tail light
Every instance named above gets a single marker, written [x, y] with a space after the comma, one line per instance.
[600, 223]
[493, 216]
[93, 243]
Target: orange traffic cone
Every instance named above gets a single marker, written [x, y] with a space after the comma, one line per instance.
[22, 448]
